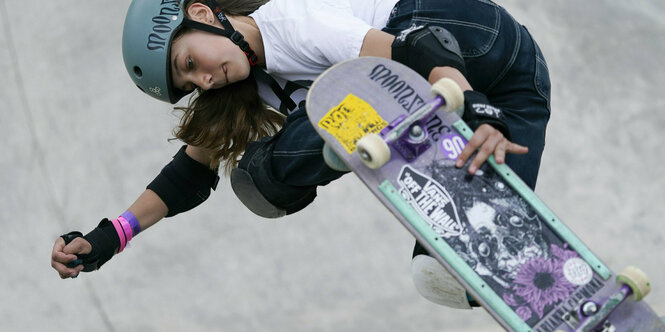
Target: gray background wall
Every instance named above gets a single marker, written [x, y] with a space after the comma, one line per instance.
[80, 143]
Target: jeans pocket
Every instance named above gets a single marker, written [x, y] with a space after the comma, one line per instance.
[541, 79]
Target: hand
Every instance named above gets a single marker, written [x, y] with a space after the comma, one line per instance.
[487, 141]
[64, 256]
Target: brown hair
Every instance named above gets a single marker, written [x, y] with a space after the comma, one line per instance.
[225, 120]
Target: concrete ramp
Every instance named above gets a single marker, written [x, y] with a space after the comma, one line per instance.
[81, 143]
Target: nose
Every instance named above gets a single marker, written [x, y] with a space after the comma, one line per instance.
[205, 81]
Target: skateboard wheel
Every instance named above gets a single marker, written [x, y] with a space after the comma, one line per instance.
[450, 91]
[637, 280]
[333, 160]
[373, 151]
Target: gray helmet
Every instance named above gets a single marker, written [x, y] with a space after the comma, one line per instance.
[146, 46]
[146, 43]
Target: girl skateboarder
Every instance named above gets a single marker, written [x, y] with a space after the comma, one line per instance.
[223, 50]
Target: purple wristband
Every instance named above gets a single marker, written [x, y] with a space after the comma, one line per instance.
[136, 228]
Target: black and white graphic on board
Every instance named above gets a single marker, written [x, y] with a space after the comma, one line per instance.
[431, 200]
[499, 235]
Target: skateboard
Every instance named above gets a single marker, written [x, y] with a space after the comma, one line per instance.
[401, 137]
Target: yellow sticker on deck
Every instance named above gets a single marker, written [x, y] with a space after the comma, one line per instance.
[352, 119]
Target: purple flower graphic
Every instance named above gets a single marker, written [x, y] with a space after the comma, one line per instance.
[524, 313]
[540, 282]
[562, 254]
[509, 299]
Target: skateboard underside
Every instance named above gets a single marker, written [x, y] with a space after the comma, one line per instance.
[490, 230]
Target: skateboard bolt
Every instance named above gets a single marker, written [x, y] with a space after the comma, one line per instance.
[417, 133]
[589, 308]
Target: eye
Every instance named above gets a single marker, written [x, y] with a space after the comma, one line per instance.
[188, 67]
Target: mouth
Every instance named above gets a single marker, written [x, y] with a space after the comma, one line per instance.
[220, 83]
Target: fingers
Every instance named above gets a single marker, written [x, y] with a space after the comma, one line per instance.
[59, 261]
[517, 149]
[487, 141]
[471, 147]
[78, 246]
[508, 147]
[66, 272]
[485, 151]
[63, 255]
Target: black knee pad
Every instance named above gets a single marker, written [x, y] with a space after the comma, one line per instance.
[249, 194]
[255, 186]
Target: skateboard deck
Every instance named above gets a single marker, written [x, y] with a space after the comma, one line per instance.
[499, 240]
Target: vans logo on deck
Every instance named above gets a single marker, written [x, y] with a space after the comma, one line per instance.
[431, 200]
[169, 10]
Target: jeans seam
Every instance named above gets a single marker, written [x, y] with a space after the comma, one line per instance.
[457, 22]
[513, 57]
[296, 153]
[537, 77]
[539, 88]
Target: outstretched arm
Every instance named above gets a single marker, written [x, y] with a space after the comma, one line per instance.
[148, 209]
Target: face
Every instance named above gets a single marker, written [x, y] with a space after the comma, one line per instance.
[204, 60]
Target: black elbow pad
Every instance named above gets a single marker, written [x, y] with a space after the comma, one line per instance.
[184, 183]
[424, 47]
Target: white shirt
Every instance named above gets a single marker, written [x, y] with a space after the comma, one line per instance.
[303, 38]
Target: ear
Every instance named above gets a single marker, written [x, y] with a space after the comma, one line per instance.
[200, 13]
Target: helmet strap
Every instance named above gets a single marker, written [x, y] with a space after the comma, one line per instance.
[238, 39]
[228, 31]
[235, 36]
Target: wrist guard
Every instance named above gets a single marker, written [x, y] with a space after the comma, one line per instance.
[478, 111]
[104, 242]
[425, 47]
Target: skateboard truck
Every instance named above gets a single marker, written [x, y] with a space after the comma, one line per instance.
[593, 315]
[408, 135]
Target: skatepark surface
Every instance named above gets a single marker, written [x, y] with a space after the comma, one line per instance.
[81, 143]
